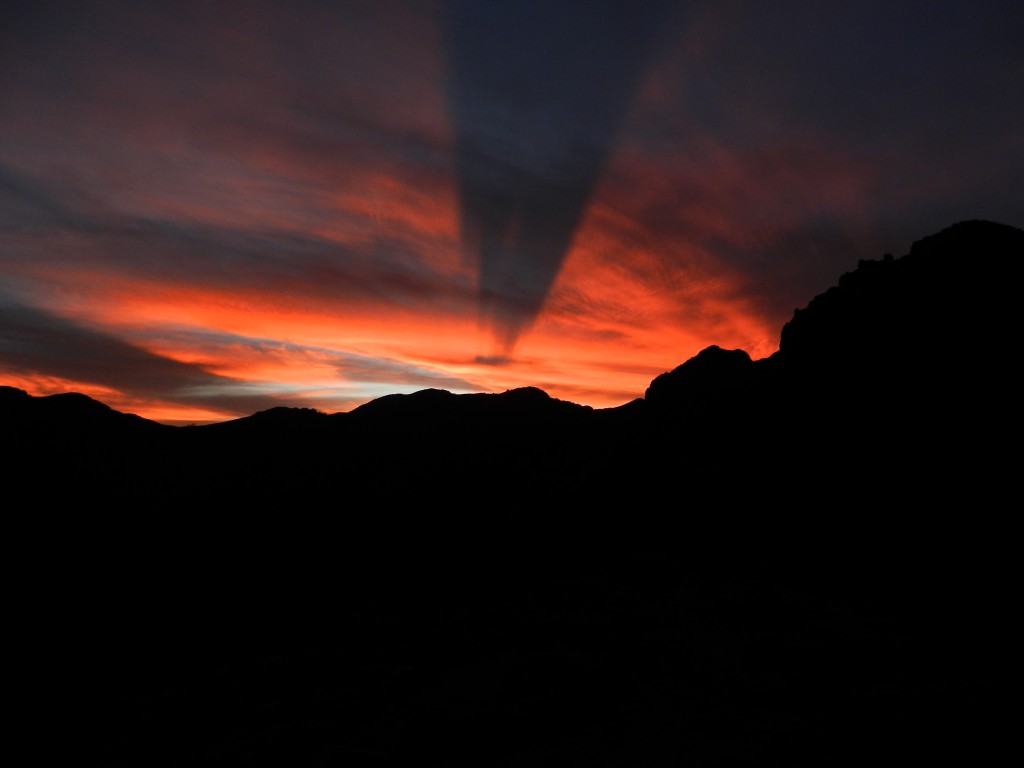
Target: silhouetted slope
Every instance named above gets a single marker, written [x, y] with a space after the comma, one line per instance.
[281, 420]
[24, 414]
[885, 391]
[890, 385]
[807, 559]
[953, 294]
[926, 337]
[715, 377]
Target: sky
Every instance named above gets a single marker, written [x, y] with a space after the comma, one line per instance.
[208, 209]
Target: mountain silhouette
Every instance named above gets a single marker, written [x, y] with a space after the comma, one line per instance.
[807, 559]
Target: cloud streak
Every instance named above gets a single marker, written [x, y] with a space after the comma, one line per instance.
[230, 376]
[313, 203]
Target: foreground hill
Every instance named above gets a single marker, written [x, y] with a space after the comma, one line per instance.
[804, 559]
[895, 381]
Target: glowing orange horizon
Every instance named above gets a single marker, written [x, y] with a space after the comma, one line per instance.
[355, 283]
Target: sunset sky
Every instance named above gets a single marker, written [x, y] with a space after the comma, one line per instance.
[208, 209]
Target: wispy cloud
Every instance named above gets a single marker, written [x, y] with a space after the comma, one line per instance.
[228, 375]
[307, 202]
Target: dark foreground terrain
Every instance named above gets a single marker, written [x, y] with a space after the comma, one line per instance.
[809, 559]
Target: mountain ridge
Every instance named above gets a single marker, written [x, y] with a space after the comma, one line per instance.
[859, 396]
[870, 296]
[808, 559]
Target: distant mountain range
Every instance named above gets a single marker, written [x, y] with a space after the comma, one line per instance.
[905, 362]
[869, 466]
